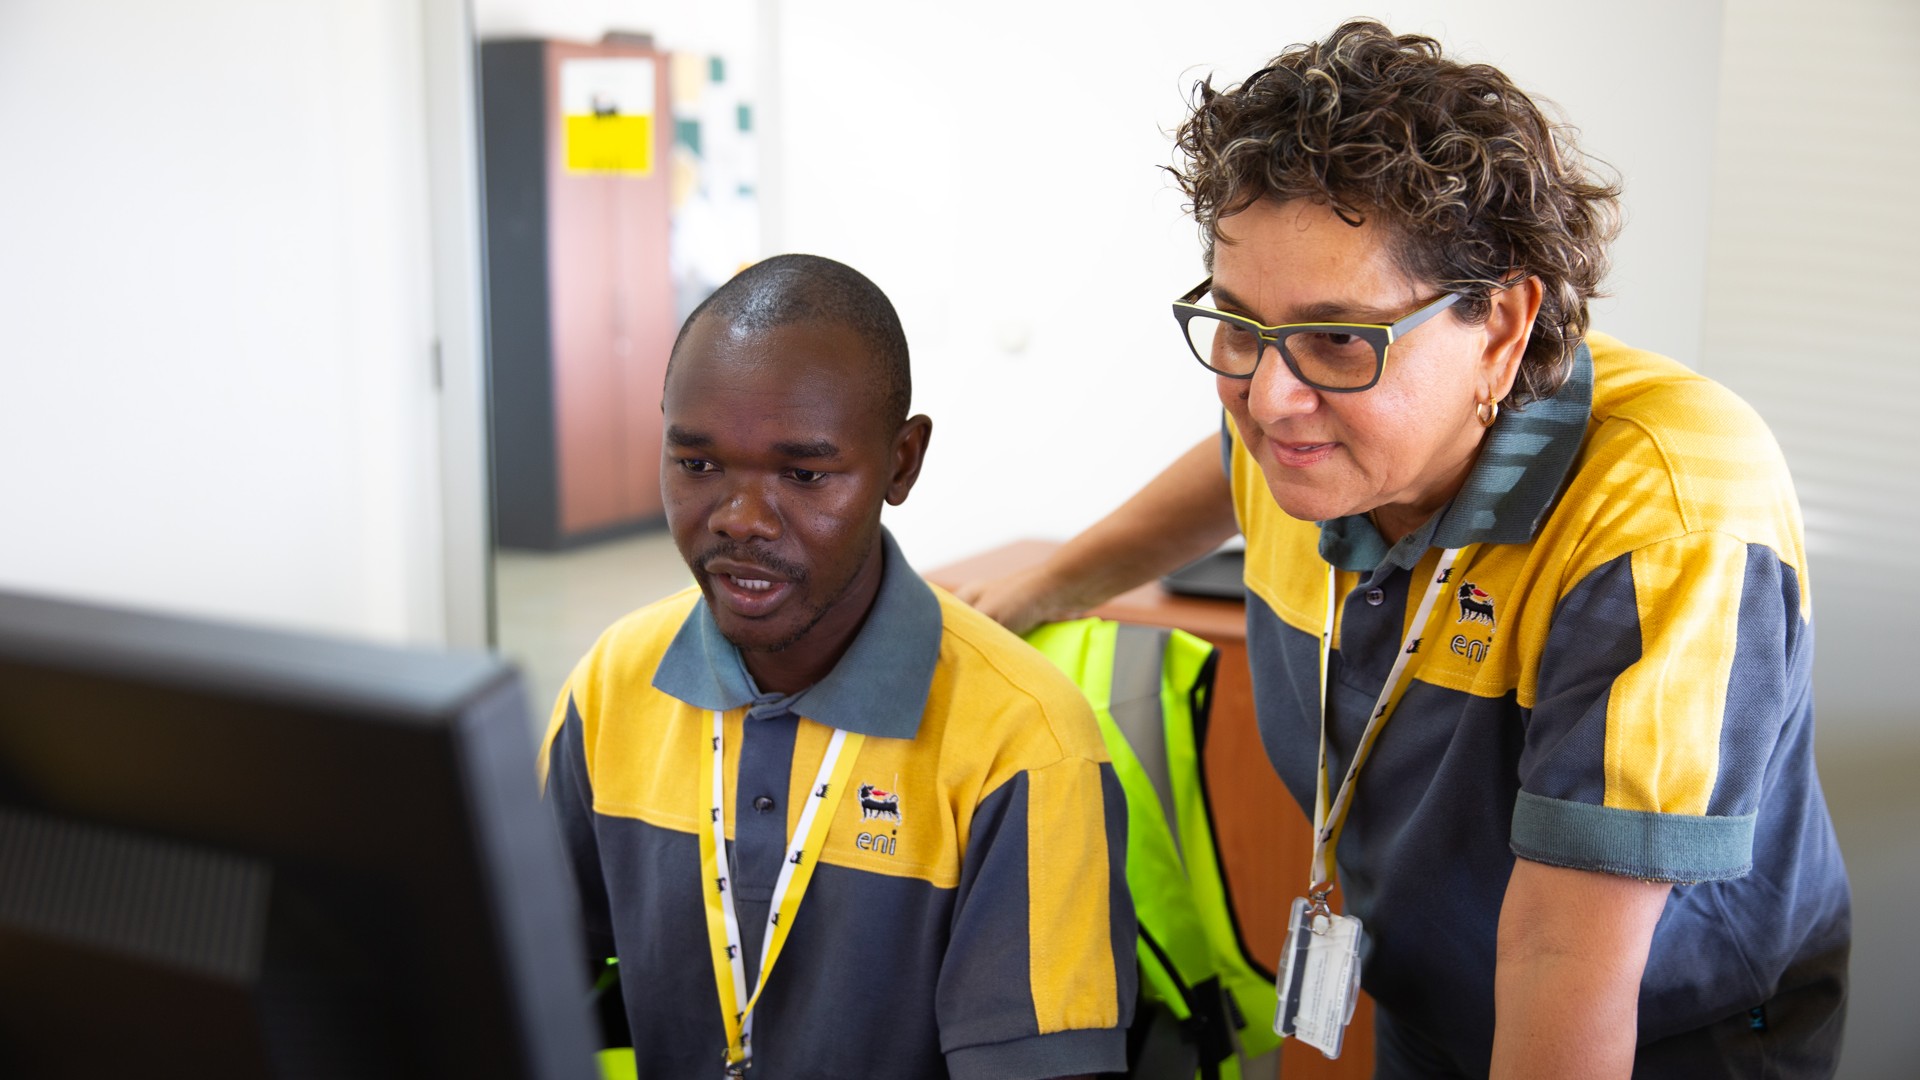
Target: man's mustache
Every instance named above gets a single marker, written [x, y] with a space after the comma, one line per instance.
[737, 552]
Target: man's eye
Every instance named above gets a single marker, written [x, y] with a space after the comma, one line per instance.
[695, 465]
[806, 476]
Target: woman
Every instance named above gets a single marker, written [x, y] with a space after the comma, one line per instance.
[1561, 580]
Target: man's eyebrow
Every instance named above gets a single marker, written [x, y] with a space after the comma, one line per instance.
[818, 448]
[679, 436]
[1323, 311]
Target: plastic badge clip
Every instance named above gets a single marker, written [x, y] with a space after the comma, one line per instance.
[1320, 976]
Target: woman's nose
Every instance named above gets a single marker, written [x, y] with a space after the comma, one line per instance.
[1275, 393]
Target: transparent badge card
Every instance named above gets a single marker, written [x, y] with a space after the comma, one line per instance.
[1319, 978]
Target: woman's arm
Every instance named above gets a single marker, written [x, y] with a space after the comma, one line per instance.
[1566, 984]
[1179, 516]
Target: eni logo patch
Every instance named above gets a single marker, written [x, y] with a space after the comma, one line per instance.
[878, 805]
[1476, 606]
[875, 803]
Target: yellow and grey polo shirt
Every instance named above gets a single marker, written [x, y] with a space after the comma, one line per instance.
[970, 915]
[1618, 679]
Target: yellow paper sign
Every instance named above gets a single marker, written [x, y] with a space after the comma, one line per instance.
[615, 144]
[608, 106]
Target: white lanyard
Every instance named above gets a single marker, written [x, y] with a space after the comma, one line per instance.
[796, 872]
[1329, 819]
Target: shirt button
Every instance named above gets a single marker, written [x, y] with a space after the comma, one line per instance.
[763, 804]
[1376, 597]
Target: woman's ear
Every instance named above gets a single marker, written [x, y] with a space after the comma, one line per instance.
[1508, 328]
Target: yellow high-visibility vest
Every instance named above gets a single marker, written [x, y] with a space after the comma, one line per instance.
[1150, 689]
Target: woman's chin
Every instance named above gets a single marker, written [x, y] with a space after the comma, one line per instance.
[1307, 503]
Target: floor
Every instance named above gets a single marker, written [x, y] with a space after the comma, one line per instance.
[553, 605]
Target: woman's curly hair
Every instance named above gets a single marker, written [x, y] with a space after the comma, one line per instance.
[1476, 186]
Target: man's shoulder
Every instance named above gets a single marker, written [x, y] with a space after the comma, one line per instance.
[1006, 690]
[651, 627]
[632, 646]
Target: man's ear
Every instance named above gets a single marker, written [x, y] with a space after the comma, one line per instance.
[1509, 327]
[909, 450]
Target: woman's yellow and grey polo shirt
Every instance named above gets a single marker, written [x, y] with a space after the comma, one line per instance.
[1617, 679]
[970, 916]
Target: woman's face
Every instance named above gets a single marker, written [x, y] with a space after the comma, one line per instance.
[1403, 447]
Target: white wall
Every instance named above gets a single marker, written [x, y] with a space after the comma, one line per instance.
[1811, 292]
[994, 167]
[216, 311]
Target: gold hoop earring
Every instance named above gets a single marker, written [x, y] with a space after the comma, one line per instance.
[1487, 412]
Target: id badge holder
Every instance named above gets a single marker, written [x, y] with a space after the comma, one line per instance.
[1319, 977]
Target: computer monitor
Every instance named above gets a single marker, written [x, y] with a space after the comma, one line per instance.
[234, 852]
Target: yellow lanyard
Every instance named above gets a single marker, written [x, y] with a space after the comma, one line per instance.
[796, 872]
[1329, 819]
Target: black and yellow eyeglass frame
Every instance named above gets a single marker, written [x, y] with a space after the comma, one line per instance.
[1381, 337]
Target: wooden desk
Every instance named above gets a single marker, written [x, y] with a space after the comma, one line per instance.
[1265, 842]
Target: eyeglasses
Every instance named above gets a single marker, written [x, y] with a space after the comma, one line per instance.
[1342, 358]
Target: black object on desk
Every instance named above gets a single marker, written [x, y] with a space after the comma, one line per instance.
[1216, 576]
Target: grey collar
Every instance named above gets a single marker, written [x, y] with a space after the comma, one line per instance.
[1507, 496]
[878, 688]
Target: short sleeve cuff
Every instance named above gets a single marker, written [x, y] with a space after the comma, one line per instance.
[1631, 843]
[1063, 1053]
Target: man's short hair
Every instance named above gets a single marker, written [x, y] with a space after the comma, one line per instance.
[1476, 187]
[801, 288]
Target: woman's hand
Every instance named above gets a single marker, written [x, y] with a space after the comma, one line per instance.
[1024, 599]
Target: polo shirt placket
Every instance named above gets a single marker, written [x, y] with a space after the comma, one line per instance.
[760, 820]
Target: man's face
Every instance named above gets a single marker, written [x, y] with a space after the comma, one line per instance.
[777, 458]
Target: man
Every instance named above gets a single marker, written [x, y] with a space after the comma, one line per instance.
[1526, 607]
[817, 774]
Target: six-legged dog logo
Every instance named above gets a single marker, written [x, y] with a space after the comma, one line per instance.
[875, 803]
[1476, 604]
